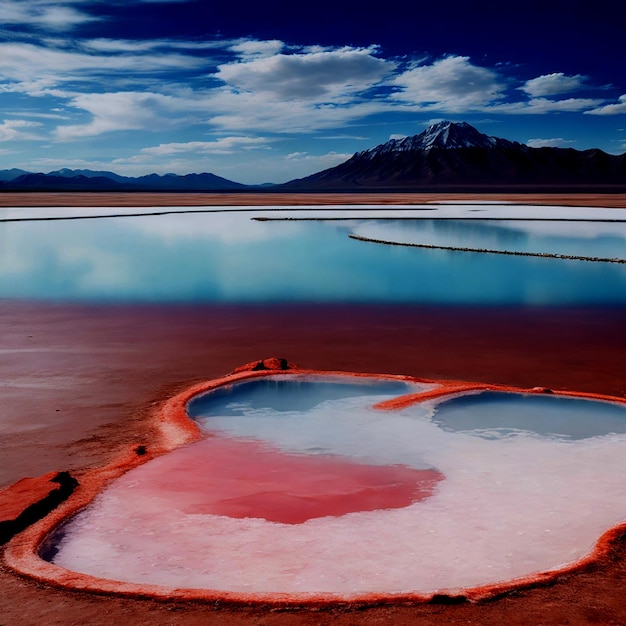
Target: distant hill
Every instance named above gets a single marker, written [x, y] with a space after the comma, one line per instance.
[68, 173]
[450, 155]
[447, 156]
[6, 175]
[88, 180]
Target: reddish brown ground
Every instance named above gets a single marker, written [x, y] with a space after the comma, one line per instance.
[24, 493]
[611, 200]
[79, 382]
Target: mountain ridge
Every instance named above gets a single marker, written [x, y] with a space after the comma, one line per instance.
[89, 180]
[445, 135]
[456, 155]
[446, 156]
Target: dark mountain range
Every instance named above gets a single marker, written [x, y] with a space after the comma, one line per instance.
[87, 180]
[67, 173]
[11, 174]
[451, 155]
[447, 156]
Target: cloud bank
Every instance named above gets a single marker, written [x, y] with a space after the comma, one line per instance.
[162, 100]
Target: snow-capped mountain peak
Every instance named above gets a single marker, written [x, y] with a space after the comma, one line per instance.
[443, 135]
[453, 135]
[455, 155]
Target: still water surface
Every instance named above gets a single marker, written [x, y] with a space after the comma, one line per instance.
[483, 509]
[229, 257]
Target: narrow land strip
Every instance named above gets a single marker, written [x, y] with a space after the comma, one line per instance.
[34, 199]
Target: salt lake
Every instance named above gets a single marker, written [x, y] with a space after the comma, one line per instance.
[480, 475]
[229, 255]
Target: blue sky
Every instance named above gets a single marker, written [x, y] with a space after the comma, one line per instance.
[270, 91]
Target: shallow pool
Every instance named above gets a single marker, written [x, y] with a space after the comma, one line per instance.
[330, 495]
[494, 414]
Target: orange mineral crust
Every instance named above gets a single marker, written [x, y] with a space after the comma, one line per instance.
[24, 494]
[114, 363]
[30, 499]
[400, 486]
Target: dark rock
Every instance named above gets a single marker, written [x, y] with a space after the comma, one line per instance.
[273, 363]
[31, 499]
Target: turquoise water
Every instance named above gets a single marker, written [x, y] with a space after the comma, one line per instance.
[317, 409]
[287, 395]
[575, 238]
[313, 415]
[229, 258]
[503, 507]
[494, 414]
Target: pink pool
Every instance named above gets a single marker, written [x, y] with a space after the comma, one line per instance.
[306, 486]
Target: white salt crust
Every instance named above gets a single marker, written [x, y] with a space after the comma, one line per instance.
[505, 509]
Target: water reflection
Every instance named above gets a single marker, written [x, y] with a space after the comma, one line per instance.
[358, 501]
[496, 414]
[591, 239]
[289, 394]
[230, 258]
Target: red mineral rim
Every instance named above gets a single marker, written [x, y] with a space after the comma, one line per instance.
[175, 428]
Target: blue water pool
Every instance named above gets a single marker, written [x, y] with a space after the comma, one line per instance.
[325, 494]
[231, 258]
[492, 414]
[286, 395]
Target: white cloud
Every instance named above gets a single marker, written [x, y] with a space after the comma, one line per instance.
[30, 63]
[119, 45]
[329, 159]
[256, 48]
[14, 130]
[553, 84]
[450, 84]
[223, 145]
[397, 136]
[239, 112]
[37, 114]
[541, 106]
[47, 14]
[301, 92]
[146, 45]
[436, 120]
[611, 109]
[34, 88]
[277, 167]
[48, 164]
[125, 111]
[544, 105]
[343, 136]
[267, 87]
[554, 142]
[282, 93]
[310, 76]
